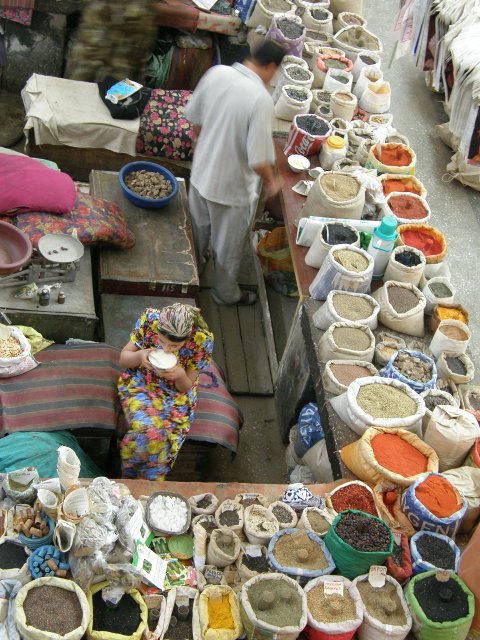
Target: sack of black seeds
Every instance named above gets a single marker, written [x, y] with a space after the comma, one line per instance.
[14, 562]
[288, 31]
[431, 550]
[399, 564]
[306, 135]
[440, 609]
[127, 620]
[457, 367]
[385, 610]
[402, 307]
[223, 548]
[252, 561]
[230, 514]
[292, 101]
[357, 540]
[205, 503]
[284, 514]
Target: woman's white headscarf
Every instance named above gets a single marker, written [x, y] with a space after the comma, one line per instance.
[178, 319]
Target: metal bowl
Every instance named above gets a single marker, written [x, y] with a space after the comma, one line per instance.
[156, 530]
[15, 249]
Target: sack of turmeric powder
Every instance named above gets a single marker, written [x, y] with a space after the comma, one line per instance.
[216, 614]
[398, 456]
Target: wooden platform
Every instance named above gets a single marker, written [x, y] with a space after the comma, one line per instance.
[162, 262]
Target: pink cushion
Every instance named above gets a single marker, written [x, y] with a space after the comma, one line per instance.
[28, 185]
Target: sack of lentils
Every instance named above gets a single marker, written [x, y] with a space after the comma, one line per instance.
[339, 374]
[300, 554]
[431, 550]
[341, 306]
[395, 455]
[432, 503]
[285, 515]
[334, 611]
[399, 564]
[387, 496]
[414, 368]
[223, 548]
[51, 608]
[356, 540]
[351, 495]
[347, 341]
[385, 610]
[230, 514]
[259, 524]
[440, 609]
[379, 402]
[316, 520]
[402, 307]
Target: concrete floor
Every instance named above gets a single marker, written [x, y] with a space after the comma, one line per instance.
[456, 212]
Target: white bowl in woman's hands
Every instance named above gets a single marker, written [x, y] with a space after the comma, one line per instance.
[162, 360]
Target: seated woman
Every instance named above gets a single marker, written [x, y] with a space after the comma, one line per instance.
[159, 404]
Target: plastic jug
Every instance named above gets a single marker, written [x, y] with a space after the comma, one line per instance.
[382, 244]
[469, 572]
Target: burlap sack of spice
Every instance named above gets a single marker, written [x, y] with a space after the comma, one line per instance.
[93, 634]
[30, 633]
[444, 371]
[374, 163]
[349, 410]
[327, 313]
[451, 432]
[329, 350]
[341, 628]
[230, 505]
[311, 512]
[229, 602]
[410, 322]
[360, 458]
[217, 555]
[387, 497]
[195, 501]
[321, 196]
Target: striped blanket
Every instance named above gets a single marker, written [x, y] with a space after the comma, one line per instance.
[75, 386]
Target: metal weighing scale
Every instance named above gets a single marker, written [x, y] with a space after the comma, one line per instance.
[56, 260]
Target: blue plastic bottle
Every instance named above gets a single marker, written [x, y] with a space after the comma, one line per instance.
[382, 244]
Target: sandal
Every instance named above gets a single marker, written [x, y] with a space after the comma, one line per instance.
[248, 297]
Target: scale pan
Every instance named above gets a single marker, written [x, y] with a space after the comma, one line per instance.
[60, 247]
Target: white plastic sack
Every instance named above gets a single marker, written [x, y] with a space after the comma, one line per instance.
[329, 350]
[433, 300]
[327, 314]
[410, 322]
[332, 385]
[316, 459]
[333, 276]
[346, 627]
[348, 410]
[451, 432]
[376, 97]
[402, 273]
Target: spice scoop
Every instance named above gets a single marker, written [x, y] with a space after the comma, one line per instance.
[162, 360]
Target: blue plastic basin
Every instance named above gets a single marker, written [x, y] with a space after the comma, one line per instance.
[140, 201]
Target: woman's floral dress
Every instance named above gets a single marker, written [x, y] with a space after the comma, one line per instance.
[158, 416]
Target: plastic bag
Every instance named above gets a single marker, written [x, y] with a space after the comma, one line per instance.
[403, 571]
[387, 496]
[317, 460]
[274, 252]
[334, 276]
[390, 371]
[309, 429]
[8, 592]
[21, 363]
[91, 536]
[302, 142]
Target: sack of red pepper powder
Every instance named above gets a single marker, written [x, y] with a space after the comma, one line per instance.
[399, 564]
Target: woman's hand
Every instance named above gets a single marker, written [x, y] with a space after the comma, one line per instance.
[182, 379]
[132, 357]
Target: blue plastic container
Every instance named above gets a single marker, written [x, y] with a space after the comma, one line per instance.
[35, 543]
[140, 201]
[37, 562]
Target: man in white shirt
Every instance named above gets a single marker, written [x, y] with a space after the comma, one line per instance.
[231, 112]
